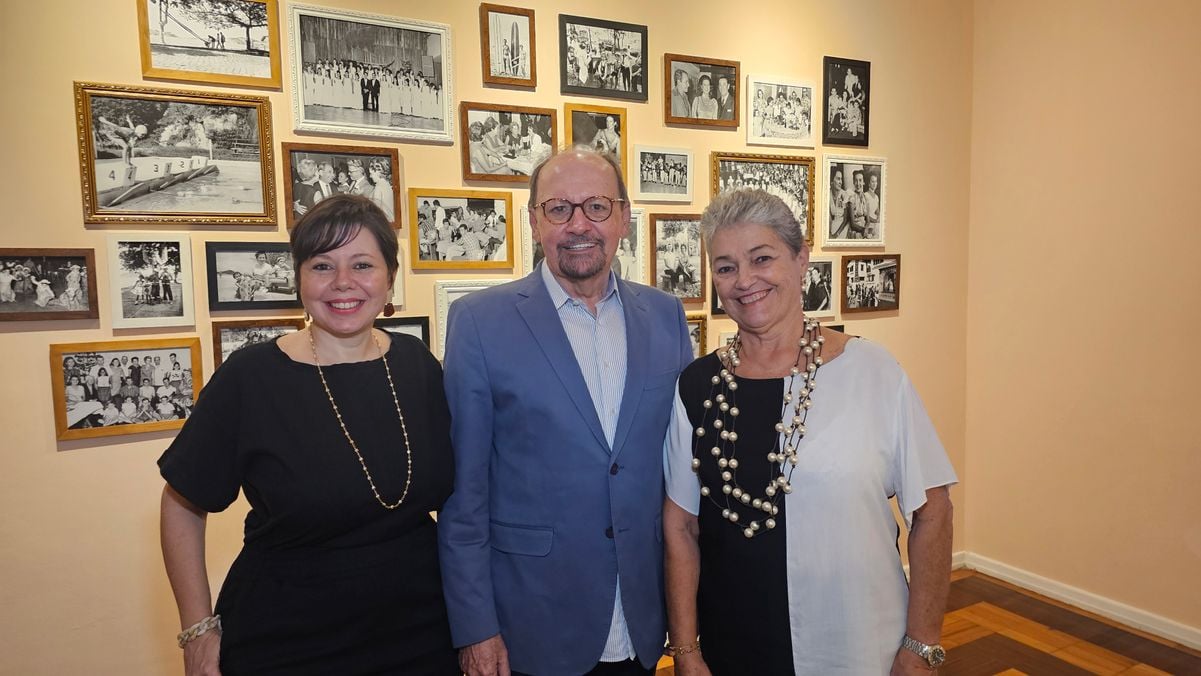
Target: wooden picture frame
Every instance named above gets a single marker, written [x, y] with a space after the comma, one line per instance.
[576, 35]
[820, 301]
[360, 165]
[590, 125]
[492, 150]
[730, 171]
[871, 283]
[446, 292]
[80, 413]
[629, 263]
[61, 284]
[183, 53]
[214, 168]
[773, 124]
[418, 327]
[224, 333]
[694, 83]
[659, 174]
[329, 99]
[678, 254]
[697, 330]
[846, 101]
[521, 69]
[434, 248]
[848, 218]
[250, 276]
[150, 280]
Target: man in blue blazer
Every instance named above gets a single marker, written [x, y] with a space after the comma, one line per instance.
[560, 387]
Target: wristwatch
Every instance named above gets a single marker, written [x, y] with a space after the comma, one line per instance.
[933, 654]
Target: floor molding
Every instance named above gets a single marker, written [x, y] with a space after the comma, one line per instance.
[1094, 603]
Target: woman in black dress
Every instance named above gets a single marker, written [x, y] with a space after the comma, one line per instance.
[338, 436]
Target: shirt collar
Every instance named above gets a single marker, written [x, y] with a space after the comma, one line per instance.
[559, 296]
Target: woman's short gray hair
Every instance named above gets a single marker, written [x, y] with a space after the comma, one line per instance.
[752, 205]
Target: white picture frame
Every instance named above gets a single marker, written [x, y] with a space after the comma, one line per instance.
[531, 251]
[342, 108]
[646, 187]
[828, 265]
[447, 292]
[836, 231]
[762, 129]
[140, 267]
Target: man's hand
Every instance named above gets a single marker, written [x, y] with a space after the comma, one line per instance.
[486, 658]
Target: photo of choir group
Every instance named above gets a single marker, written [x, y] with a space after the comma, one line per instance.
[126, 387]
[44, 285]
[790, 179]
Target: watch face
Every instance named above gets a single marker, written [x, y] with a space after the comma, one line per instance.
[937, 656]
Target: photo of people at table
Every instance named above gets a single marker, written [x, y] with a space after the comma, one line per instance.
[461, 229]
[127, 387]
[507, 143]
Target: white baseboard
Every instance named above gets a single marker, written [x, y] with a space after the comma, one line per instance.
[1114, 610]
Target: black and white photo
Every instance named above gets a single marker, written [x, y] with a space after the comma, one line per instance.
[44, 284]
[318, 171]
[629, 263]
[789, 178]
[460, 229]
[418, 327]
[250, 276]
[781, 112]
[602, 58]
[508, 45]
[664, 174]
[602, 127]
[715, 306]
[700, 91]
[229, 42]
[150, 280]
[160, 157]
[854, 201]
[231, 336]
[871, 283]
[678, 256]
[366, 74]
[505, 143]
[696, 334]
[819, 288]
[847, 86]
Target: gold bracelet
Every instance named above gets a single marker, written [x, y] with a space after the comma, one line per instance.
[677, 650]
[199, 629]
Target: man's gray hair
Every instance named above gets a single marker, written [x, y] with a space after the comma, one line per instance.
[582, 149]
[752, 205]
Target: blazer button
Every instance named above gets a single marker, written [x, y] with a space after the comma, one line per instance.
[609, 532]
[613, 469]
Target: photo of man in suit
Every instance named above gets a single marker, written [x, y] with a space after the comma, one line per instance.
[551, 544]
[725, 100]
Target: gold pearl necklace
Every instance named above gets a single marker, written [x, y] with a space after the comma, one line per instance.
[355, 447]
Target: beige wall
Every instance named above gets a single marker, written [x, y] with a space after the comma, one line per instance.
[81, 582]
[1082, 365]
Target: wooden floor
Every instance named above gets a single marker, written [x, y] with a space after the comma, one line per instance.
[992, 627]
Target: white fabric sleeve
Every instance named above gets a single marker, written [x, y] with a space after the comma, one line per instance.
[920, 462]
[683, 487]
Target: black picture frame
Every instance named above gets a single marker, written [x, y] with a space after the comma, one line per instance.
[836, 76]
[421, 323]
[633, 88]
[227, 262]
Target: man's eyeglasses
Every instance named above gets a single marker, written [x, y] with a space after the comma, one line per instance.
[596, 208]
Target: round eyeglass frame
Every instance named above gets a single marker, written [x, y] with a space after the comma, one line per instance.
[579, 205]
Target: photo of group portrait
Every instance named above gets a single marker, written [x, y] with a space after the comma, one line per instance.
[508, 45]
[847, 85]
[318, 171]
[460, 229]
[781, 112]
[505, 143]
[789, 178]
[602, 58]
[855, 201]
[701, 91]
[212, 41]
[231, 336]
[40, 284]
[150, 280]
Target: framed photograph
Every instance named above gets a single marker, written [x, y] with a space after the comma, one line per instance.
[150, 156]
[231, 336]
[504, 143]
[847, 84]
[871, 283]
[319, 170]
[703, 91]
[630, 262]
[696, 333]
[819, 293]
[250, 276]
[601, 127]
[841, 328]
[42, 284]
[371, 75]
[790, 178]
[446, 293]
[508, 49]
[460, 229]
[223, 42]
[715, 307]
[781, 112]
[95, 394]
[854, 201]
[726, 338]
[678, 256]
[418, 327]
[664, 174]
[602, 58]
[150, 280]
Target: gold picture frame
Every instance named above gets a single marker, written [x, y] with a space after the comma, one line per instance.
[434, 247]
[586, 124]
[698, 321]
[741, 170]
[233, 66]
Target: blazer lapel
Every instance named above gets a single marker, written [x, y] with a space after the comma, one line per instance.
[539, 313]
[637, 332]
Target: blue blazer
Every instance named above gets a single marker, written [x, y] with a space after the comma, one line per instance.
[544, 514]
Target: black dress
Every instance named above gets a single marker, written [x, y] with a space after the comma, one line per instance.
[328, 580]
[742, 596]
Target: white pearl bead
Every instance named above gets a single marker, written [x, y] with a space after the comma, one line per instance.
[794, 460]
[715, 451]
[808, 350]
[817, 343]
[787, 397]
[746, 498]
[700, 431]
[801, 428]
[775, 510]
[734, 463]
[736, 361]
[807, 403]
[734, 517]
[734, 411]
[726, 476]
[725, 489]
[738, 492]
[789, 450]
[771, 490]
[707, 404]
[725, 434]
[717, 424]
[719, 398]
[725, 513]
[787, 488]
[781, 481]
[779, 427]
[715, 380]
[722, 462]
[705, 491]
[766, 507]
[724, 406]
[696, 462]
[795, 370]
[771, 457]
[748, 532]
[733, 386]
[770, 523]
[733, 436]
[757, 503]
[821, 339]
[754, 525]
[817, 360]
[725, 372]
[796, 420]
[811, 368]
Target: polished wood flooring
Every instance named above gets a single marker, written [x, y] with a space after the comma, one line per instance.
[992, 627]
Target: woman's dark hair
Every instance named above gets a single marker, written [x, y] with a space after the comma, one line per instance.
[336, 220]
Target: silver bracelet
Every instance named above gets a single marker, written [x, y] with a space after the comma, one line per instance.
[199, 629]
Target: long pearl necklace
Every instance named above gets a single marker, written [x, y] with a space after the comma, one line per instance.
[355, 447]
[722, 404]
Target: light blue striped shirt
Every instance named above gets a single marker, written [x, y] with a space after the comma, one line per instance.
[599, 344]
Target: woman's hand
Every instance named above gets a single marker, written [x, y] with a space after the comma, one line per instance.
[202, 656]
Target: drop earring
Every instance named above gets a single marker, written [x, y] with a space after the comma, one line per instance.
[389, 309]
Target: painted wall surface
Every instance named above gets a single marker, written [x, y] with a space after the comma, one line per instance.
[82, 589]
[1082, 364]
